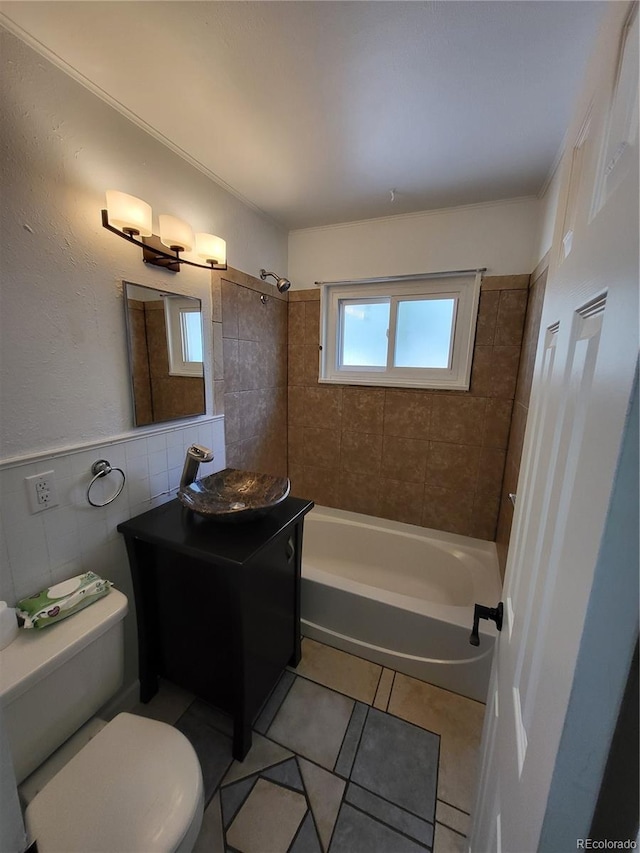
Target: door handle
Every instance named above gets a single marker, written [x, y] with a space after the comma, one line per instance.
[482, 612]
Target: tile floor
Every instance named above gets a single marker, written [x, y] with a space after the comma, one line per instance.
[347, 757]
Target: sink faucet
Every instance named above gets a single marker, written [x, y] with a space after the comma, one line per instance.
[195, 455]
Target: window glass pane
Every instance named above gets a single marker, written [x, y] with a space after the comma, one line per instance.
[364, 333]
[424, 332]
[191, 328]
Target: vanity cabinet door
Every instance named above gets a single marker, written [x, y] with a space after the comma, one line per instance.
[270, 613]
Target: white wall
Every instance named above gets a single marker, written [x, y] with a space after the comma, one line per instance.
[63, 357]
[501, 236]
[64, 379]
[548, 211]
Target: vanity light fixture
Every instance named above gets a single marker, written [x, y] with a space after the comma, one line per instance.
[130, 218]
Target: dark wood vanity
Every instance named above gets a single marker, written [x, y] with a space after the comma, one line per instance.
[218, 605]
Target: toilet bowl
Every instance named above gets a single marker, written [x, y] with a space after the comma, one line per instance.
[136, 786]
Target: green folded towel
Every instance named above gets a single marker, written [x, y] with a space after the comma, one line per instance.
[59, 601]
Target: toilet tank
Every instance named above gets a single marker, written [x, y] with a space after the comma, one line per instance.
[54, 679]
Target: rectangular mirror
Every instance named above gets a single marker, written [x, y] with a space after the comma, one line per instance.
[165, 342]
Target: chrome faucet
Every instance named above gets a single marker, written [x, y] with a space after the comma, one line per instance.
[195, 455]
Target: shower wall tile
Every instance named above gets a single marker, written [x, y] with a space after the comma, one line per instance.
[404, 459]
[511, 314]
[363, 409]
[229, 302]
[487, 317]
[401, 501]
[435, 458]
[254, 351]
[407, 413]
[323, 483]
[511, 317]
[361, 453]
[323, 405]
[453, 466]
[447, 509]
[456, 419]
[359, 493]
[497, 423]
[321, 447]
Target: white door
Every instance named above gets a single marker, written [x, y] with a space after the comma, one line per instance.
[587, 353]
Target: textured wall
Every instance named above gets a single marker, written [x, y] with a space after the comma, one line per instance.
[63, 350]
[520, 412]
[431, 458]
[499, 235]
[250, 371]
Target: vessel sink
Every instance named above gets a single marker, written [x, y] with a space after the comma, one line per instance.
[233, 495]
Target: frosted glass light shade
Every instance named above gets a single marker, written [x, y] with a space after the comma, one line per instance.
[129, 213]
[211, 248]
[175, 233]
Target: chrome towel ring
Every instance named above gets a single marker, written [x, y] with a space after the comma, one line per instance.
[100, 469]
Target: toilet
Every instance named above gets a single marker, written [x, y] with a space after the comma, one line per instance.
[135, 786]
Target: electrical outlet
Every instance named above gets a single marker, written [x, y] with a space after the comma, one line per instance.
[41, 490]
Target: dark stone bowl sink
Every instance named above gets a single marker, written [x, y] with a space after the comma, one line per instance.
[232, 495]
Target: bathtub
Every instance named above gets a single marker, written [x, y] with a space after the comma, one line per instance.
[401, 596]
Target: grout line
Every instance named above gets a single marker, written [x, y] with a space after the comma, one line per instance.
[451, 806]
[311, 812]
[393, 681]
[394, 828]
[344, 737]
[390, 803]
[451, 829]
[375, 692]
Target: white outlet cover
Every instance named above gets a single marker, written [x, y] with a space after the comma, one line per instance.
[39, 485]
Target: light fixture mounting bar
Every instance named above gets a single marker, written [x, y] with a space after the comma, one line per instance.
[153, 254]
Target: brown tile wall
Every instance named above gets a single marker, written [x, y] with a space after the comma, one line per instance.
[520, 411]
[250, 371]
[171, 396]
[140, 363]
[431, 458]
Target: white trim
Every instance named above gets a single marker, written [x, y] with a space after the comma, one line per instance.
[456, 377]
[396, 279]
[67, 450]
[174, 308]
[440, 211]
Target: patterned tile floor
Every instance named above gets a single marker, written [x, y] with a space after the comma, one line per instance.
[347, 757]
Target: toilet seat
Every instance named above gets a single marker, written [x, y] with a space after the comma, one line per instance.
[135, 788]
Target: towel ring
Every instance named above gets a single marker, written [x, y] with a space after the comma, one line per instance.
[100, 469]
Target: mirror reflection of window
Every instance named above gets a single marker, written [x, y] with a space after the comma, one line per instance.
[165, 341]
[184, 336]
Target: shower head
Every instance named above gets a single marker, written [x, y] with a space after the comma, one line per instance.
[281, 283]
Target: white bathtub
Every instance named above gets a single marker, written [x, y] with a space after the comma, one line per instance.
[401, 596]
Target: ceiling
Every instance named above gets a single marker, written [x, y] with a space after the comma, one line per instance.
[313, 112]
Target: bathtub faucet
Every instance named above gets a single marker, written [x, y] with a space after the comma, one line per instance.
[195, 455]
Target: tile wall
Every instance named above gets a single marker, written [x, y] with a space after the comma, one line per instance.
[520, 409]
[250, 370]
[431, 458]
[38, 550]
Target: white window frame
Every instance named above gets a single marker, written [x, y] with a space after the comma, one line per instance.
[464, 288]
[174, 307]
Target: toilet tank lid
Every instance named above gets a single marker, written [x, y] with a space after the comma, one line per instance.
[35, 653]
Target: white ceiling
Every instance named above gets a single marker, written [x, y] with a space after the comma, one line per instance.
[314, 111]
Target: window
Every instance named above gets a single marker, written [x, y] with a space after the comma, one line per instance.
[184, 336]
[409, 332]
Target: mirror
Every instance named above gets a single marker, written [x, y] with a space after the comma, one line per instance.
[165, 341]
